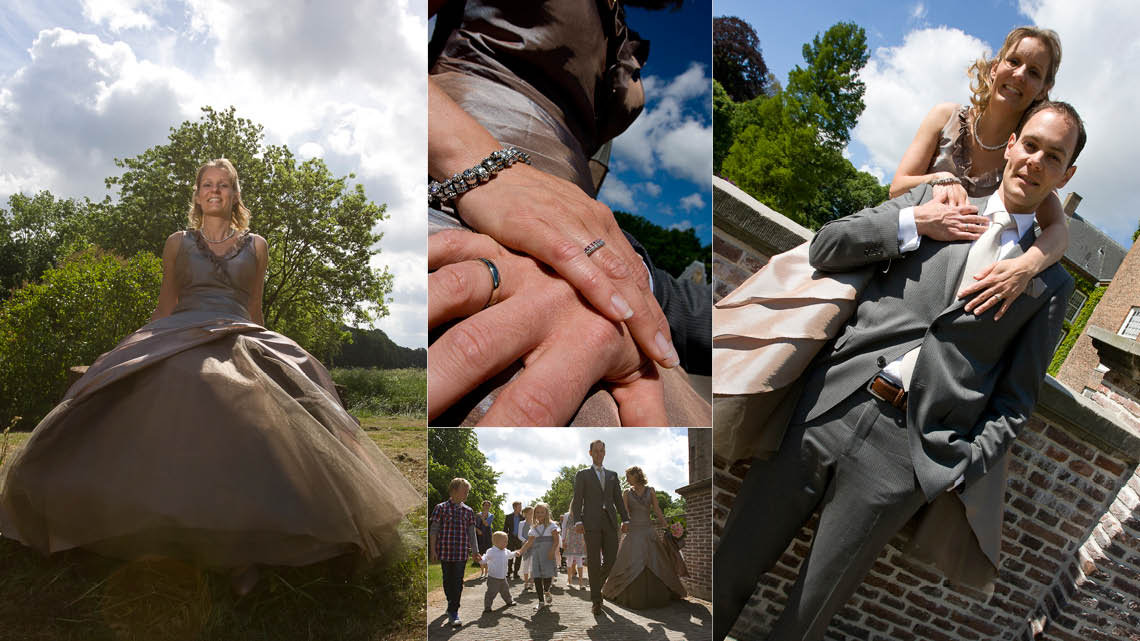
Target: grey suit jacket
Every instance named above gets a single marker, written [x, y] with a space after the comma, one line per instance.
[976, 380]
[594, 507]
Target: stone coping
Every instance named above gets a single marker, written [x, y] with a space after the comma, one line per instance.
[704, 484]
[753, 222]
[1087, 420]
[1117, 352]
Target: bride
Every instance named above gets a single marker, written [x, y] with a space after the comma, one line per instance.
[645, 573]
[203, 435]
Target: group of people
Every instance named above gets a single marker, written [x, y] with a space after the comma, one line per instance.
[643, 572]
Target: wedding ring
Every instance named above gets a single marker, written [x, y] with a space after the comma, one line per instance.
[997, 296]
[595, 246]
[494, 297]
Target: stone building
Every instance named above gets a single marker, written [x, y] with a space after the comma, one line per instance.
[698, 515]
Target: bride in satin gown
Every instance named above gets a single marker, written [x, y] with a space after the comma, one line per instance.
[645, 573]
[203, 436]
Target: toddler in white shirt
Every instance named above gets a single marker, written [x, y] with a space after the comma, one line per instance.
[495, 560]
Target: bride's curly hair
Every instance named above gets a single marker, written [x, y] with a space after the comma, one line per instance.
[979, 72]
[637, 474]
[239, 217]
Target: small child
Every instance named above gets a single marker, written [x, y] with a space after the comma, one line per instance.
[543, 537]
[495, 563]
[523, 534]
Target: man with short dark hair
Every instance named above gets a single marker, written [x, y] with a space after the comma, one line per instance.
[597, 498]
[511, 526]
[915, 402]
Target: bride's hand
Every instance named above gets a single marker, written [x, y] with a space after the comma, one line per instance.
[1001, 282]
[553, 220]
[564, 344]
[952, 194]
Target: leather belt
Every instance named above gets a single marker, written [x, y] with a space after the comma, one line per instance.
[884, 390]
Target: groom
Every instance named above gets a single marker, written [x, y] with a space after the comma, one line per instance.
[915, 403]
[597, 497]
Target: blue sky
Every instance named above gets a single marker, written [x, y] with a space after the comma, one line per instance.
[919, 52]
[661, 166]
[87, 81]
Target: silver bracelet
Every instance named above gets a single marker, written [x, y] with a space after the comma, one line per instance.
[949, 180]
[469, 179]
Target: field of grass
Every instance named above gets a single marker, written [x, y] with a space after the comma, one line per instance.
[383, 392]
[77, 595]
[435, 575]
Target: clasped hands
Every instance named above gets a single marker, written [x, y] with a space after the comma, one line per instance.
[949, 216]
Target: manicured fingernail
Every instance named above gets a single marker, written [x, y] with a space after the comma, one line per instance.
[621, 307]
[666, 348]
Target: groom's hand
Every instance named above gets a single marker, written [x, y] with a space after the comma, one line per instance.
[624, 527]
[580, 529]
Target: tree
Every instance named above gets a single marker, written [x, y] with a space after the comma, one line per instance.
[738, 64]
[723, 133]
[454, 453]
[319, 228]
[34, 232]
[561, 490]
[672, 249]
[828, 94]
[80, 310]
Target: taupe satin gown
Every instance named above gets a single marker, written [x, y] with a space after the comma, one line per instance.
[206, 437]
[645, 574]
[767, 330]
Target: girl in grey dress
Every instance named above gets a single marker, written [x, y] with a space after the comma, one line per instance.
[541, 544]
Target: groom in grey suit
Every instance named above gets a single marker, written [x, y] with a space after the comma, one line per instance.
[597, 498]
[916, 401]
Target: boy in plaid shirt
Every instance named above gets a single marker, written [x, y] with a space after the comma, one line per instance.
[451, 537]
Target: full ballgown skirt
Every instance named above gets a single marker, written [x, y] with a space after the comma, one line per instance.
[206, 437]
[645, 573]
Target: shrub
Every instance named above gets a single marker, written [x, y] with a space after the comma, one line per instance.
[78, 311]
[383, 392]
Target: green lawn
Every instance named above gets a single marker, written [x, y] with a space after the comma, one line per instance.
[77, 595]
[435, 575]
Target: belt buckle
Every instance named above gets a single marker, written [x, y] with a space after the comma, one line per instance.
[871, 388]
[889, 401]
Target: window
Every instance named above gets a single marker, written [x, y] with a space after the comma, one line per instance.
[1131, 326]
[1076, 302]
[1064, 333]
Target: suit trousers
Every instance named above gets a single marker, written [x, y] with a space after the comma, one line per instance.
[853, 463]
[601, 551]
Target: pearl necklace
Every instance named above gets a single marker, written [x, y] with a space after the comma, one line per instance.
[979, 140]
[221, 240]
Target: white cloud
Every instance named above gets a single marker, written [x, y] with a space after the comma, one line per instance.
[528, 459]
[120, 15]
[918, 11]
[682, 226]
[674, 132]
[616, 194]
[653, 189]
[692, 201]
[877, 172]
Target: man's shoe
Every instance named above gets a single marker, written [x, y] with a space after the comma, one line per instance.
[597, 609]
[456, 623]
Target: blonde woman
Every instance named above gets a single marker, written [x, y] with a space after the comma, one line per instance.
[543, 538]
[203, 435]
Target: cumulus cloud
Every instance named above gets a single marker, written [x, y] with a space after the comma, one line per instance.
[120, 15]
[682, 226]
[528, 459]
[674, 132]
[692, 201]
[616, 194]
[653, 189]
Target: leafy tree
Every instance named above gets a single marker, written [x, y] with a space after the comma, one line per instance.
[738, 64]
[453, 453]
[672, 249]
[80, 310]
[373, 348]
[828, 94]
[723, 132]
[34, 232]
[561, 490]
[319, 228]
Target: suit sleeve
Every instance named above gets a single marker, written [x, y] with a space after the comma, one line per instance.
[865, 237]
[1015, 396]
[576, 501]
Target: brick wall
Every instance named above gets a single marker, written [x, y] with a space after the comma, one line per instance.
[1070, 547]
[1079, 369]
[698, 515]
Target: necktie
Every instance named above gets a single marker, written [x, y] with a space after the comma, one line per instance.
[983, 253]
[601, 476]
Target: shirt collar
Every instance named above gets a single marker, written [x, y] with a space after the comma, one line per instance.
[995, 204]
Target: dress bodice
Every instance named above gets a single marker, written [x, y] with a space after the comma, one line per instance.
[640, 507]
[953, 155]
[213, 283]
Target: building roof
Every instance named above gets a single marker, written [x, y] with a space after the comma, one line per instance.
[1092, 251]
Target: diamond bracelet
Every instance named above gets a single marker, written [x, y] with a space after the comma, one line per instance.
[469, 179]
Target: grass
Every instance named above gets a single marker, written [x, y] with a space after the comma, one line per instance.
[383, 392]
[79, 596]
[435, 575]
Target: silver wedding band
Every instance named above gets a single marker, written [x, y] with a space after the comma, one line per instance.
[997, 296]
[595, 246]
[494, 297]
